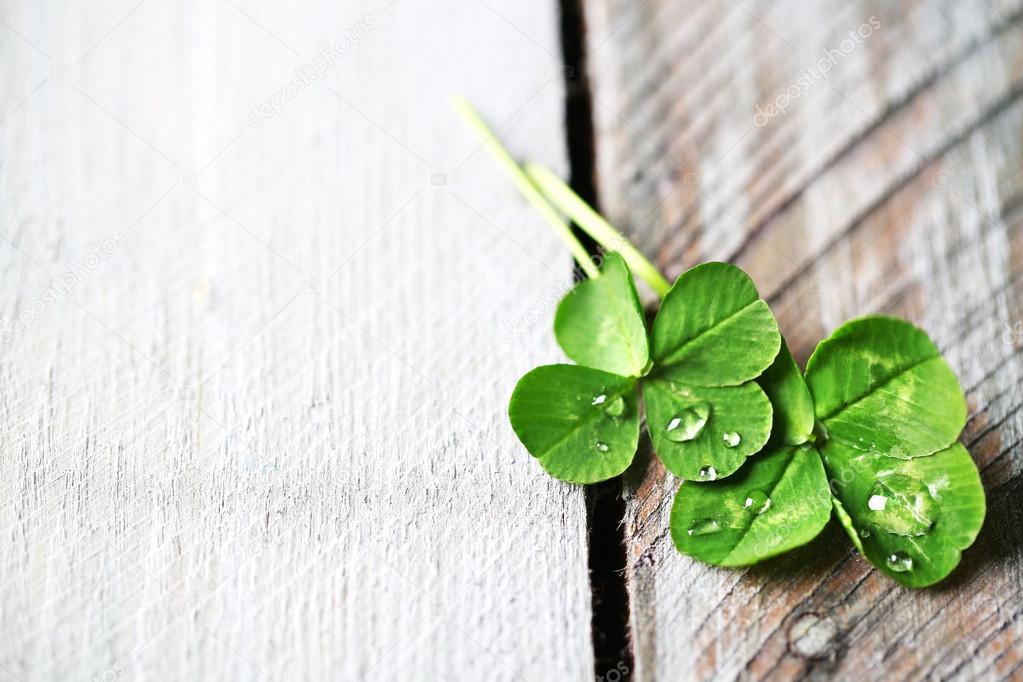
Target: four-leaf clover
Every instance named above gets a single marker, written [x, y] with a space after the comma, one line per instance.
[712, 337]
[870, 430]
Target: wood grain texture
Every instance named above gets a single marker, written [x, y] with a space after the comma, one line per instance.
[892, 185]
[257, 429]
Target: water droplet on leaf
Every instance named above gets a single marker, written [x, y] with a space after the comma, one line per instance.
[901, 505]
[687, 424]
[599, 400]
[877, 502]
[864, 533]
[704, 527]
[757, 501]
[602, 446]
[708, 473]
[615, 408]
[900, 562]
[731, 439]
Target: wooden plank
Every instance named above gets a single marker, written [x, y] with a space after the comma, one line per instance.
[892, 185]
[261, 430]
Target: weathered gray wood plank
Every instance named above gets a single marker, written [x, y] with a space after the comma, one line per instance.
[262, 433]
[892, 185]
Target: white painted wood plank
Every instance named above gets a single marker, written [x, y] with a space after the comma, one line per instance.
[261, 430]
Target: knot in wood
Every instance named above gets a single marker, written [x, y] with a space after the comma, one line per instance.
[812, 635]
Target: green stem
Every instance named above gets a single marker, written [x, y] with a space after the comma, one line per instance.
[594, 224]
[525, 187]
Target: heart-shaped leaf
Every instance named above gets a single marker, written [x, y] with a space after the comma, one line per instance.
[879, 384]
[582, 424]
[910, 517]
[713, 329]
[600, 323]
[778, 501]
[704, 433]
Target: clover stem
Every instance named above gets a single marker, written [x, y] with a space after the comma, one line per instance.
[594, 224]
[528, 190]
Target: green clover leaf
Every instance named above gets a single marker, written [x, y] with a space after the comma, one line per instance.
[887, 410]
[777, 502]
[879, 384]
[582, 424]
[910, 517]
[713, 329]
[793, 404]
[706, 433]
[711, 338]
[600, 323]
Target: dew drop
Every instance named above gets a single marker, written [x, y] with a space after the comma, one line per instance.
[602, 446]
[615, 408]
[731, 439]
[901, 505]
[687, 424]
[704, 527]
[757, 501]
[877, 502]
[600, 399]
[708, 473]
[900, 562]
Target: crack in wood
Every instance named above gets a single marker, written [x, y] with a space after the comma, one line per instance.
[605, 504]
